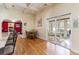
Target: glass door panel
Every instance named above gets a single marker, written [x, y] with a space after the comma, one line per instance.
[52, 30]
[60, 31]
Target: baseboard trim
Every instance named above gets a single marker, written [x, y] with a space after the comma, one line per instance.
[41, 39]
[74, 52]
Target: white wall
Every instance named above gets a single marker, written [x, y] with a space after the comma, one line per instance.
[60, 9]
[14, 14]
[55, 10]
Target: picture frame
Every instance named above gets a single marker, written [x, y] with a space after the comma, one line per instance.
[40, 22]
[25, 24]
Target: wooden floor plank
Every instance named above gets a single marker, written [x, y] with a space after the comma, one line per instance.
[38, 47]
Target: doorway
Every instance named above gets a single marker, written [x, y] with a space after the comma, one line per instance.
[60, 31]
[10, 26]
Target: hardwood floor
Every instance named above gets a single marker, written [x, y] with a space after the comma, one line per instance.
[38, 47]
[74, 53]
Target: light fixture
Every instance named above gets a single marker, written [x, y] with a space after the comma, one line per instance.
[13, 20]
[13, 5]
[45, 4]
[28, 4]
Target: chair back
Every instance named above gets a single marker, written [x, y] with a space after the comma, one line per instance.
[10, 47]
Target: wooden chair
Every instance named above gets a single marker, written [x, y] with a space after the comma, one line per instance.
[31, 34]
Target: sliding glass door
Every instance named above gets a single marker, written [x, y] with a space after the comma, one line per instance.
[63, 31]
[60, 31]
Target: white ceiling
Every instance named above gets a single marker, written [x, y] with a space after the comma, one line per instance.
[27, 7]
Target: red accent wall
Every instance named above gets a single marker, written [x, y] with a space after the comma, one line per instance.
[4, 26]
[18, 27]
